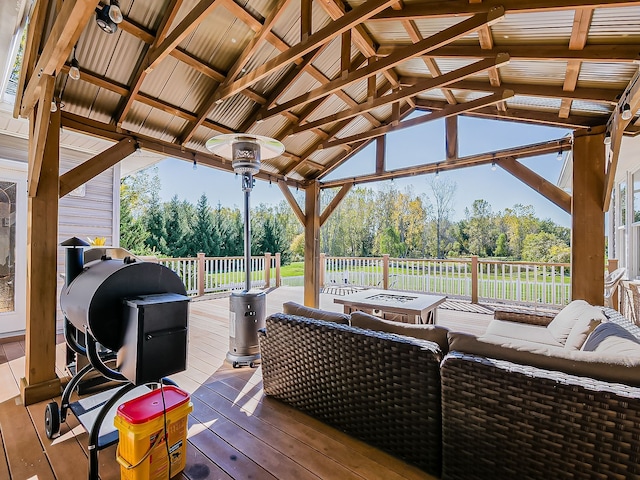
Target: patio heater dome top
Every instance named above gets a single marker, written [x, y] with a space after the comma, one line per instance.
[244, 150]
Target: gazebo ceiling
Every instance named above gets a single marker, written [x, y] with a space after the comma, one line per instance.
[326, 78]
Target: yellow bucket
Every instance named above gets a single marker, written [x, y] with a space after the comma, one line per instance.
[144, 451]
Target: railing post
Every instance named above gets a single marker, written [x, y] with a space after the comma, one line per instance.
[278, 280]
[322, 269]
[474, 279]
[611, 266]
[201, 274]
[385, 271]
[267, 269]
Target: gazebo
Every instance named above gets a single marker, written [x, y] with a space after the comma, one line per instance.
[326, 78]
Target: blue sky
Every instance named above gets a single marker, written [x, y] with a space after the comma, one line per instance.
[416, 145]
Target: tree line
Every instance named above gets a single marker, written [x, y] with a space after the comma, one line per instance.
[366, 223]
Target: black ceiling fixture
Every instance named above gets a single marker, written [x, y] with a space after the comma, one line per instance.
[109, 16]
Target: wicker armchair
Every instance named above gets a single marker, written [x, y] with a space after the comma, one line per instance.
[381, 388]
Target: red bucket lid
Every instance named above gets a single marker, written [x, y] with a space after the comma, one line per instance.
[150, 406]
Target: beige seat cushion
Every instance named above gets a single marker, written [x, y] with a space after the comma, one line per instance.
[522, 331]
[611, 338]
[613, 368]
[293, 308]
[561, 326]
[433, 333]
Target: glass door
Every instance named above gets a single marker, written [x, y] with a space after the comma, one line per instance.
[13, 243]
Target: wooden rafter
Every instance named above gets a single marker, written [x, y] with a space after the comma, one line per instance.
[407, 92]
[473, 160]
[445, 112]
[579, 33]
[463, 7]
[93, 167]
[39, 134]
[292, 202]
[442, 38]
[66, 30]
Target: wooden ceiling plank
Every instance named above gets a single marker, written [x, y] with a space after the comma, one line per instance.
[35, 29]
[579, 33]
[93, 167]
[615, 53]
[445, 112]
[547, 189]
[450, 8]
[335, 201]
[322, 36]
[64, 34]
[445, 36]
[406, 92]
[284, 188]
[38, 137]
[524, 151]
[162, 48]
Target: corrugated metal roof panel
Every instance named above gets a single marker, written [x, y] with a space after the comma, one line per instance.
[288, 26]
[145, 12]
[328, 62]
[299, 143]
[431, 26]
[173, 129]
[304, 84]
[538, 73]
[271, 127]
[258, 8]
[553, 27]
[434, 94]
[383, 114]
[606, 22]
[357, 125]
[83, 95]
[103, 105]
[332, 105]
[612, 75]
[579, 106]
[233, 111]
[535, 103]
[413, 66]
[136, 117]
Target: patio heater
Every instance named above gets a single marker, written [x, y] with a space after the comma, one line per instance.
[246, 308]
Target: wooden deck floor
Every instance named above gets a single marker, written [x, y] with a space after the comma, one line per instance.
[235, 432]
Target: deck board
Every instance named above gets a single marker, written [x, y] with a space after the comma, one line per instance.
[235, 432]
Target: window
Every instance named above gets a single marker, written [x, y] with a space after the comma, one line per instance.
[623, 203]
[636, 196]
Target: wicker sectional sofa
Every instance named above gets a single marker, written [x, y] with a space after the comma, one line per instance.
[491, 408]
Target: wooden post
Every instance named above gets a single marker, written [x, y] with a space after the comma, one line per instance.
[40, 381]
[613, 265]
[312, 245]
[451, 139]
[587, 219]
[385, 271]
[267, 269]
[474, 279]
[278, 279]
[201, 274]
[322, 269]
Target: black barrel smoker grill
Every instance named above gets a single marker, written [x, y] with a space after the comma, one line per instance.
[130, 312]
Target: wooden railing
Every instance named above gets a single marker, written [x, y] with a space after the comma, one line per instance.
[220, 274]
[472, 278]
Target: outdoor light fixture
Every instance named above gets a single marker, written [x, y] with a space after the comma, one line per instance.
[109, 16]
[195, 163]
[54, 106]
[74, 71]
[559, 156]
[493, 166]
[437, 173]
[607, 138]
[626, 112]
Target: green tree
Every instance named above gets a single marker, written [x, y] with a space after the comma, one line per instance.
[154, 222]
[388, 241]
[132, 231]
[543, 247]
[443, 191]
[480, 229]
[204, 236]
[297, 247]
[177, 220]
[502, 249]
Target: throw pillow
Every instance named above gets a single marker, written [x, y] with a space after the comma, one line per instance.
[583, 328]
[293, 308]
[560, 327]
[433, 333]
[611, 338]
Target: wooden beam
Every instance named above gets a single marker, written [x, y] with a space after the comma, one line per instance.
[445, 112]
[335, 201]
[39, 134]
[292, 202]
[579, 33]
[406, 92]
[547, 189]
[462, 7]
[451, 137]
[381, 144]
[441, 38]
[616, 53]
[35, 30]
[312, 245]
[93, 167]
[345, 54]
[324, 35]
[306, 27]
[587, 220]
[40, 381]
[69, 24]
[617, 125]
[525, 151]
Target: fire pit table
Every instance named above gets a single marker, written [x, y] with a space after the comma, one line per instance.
[392, 305]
